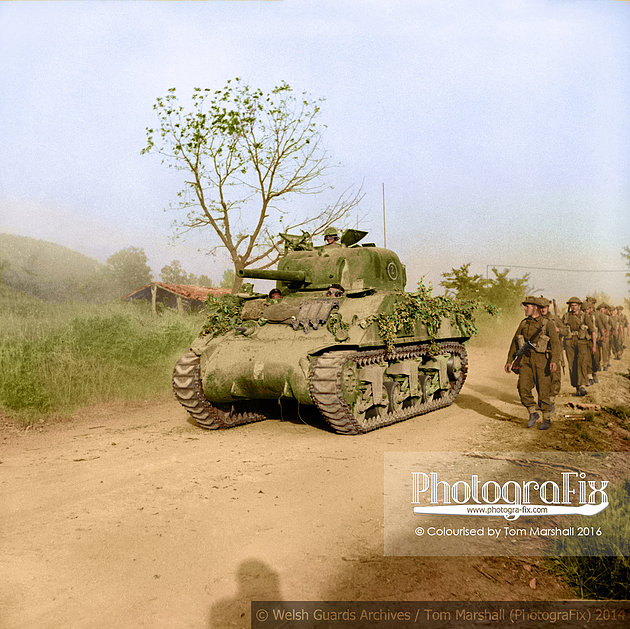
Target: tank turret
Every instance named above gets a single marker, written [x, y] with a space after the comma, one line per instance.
[354, 267]
[365, 359]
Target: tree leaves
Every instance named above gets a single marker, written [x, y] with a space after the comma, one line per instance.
[244, 151]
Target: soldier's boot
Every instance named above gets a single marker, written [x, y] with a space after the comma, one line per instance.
[590, 380]
[546, 423]
[595, 379]
[582, 390]
[534, 416]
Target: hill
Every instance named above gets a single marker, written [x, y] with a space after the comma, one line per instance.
[44, 269]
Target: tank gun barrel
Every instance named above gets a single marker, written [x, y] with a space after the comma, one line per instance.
[282, 276]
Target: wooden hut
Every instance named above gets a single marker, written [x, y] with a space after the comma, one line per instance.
[177, 296]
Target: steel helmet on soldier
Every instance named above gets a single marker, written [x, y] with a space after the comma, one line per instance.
[331, 231]
[574, 300]
[530, 300]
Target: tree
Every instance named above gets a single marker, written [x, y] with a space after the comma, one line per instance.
[174, 274]
[128, 269]
[227, 281]
[502, 291]
[245, 153]
[204, 280]
[464, 285]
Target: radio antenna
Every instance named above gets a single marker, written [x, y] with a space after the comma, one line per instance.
[384, 220]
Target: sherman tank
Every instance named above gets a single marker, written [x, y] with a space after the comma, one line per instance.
[363, 352]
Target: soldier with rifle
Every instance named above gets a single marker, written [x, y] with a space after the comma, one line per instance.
[604, 353]
[534, 355]
[624, 328]
[580, 343]
[592, 364]
[556, 321]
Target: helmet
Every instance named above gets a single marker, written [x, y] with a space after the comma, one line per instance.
[543, 302]
[574, 300]
[331, 231]
[530, 300]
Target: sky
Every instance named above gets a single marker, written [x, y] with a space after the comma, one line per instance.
[498, 128]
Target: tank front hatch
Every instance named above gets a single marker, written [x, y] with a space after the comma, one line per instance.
[355, 268]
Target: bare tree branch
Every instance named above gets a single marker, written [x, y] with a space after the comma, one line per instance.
[245, 152]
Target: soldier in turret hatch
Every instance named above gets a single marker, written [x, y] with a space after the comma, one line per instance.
[331, 236]
[335, 290]
[275, 293]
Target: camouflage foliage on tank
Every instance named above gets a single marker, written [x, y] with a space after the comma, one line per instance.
[365, 353]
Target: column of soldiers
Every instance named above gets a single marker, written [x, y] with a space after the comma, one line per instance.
[590, 337]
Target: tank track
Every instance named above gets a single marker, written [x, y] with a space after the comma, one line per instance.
[327, 392]
[189, 393]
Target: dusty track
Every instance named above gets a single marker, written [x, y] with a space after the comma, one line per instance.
[130, 516]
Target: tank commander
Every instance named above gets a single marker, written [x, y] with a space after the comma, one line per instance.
[534, 354]
[275, 293]
[335, 290]
[331, 237]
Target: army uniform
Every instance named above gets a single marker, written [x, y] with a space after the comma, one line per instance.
[604, 351]
[576, 345]
[592, 364]
[535, 367]
[600, 327]
[556, 321]
[615, 335]
[624, 327]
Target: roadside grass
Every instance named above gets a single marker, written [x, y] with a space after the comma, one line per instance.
[55, 358]
[598, 566]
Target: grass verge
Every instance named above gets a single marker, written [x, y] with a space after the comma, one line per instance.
[55, 358]
[598, 566]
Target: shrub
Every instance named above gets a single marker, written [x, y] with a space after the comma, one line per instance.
[598, 567]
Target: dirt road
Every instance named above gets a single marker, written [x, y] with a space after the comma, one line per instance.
[130, 516]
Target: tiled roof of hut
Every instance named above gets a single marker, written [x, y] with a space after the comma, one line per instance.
[189, 292]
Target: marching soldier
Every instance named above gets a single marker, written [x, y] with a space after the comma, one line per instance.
[537, 346]
[625, 327]
[616, 333]
[592, 365]
[604, 356]
[576, 344]
[556, 376]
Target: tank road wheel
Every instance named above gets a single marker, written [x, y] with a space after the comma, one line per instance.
[359, 391]
[189, 393]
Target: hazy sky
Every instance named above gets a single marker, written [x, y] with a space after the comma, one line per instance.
[500, 128]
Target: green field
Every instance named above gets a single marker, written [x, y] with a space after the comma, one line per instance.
[55, 358]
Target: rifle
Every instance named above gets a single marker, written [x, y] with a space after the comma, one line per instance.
[524, 351]
[555, 307]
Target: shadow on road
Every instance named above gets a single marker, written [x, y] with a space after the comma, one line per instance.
[256, 581]
[478, 405]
